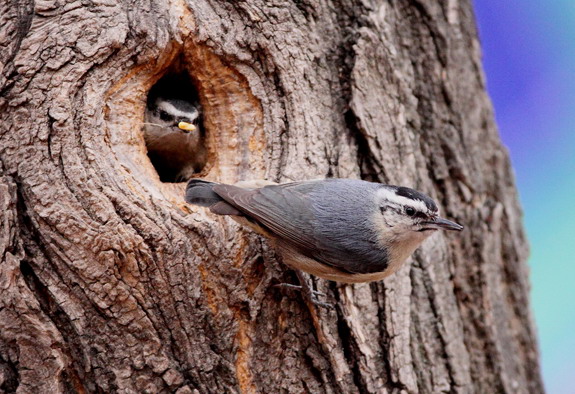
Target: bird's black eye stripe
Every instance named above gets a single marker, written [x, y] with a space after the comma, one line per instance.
[382, 210]
[409, 211]
[421, 215]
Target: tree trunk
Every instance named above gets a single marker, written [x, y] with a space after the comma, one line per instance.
[110, 283]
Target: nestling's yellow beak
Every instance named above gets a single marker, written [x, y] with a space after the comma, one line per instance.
[186, 126]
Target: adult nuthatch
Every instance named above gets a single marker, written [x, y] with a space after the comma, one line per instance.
[173, 138]
[338, 229]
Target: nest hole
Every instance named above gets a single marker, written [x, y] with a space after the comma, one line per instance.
[173, 128]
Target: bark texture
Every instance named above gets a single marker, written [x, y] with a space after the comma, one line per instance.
[110, 283]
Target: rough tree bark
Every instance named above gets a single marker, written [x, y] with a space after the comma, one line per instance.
[109, 282]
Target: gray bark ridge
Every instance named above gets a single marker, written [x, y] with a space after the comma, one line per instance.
[109, 282]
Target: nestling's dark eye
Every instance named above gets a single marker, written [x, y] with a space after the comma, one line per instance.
[164, 115]
[409, 211]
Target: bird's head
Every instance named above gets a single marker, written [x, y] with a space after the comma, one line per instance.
[405, 214]
[168, 115]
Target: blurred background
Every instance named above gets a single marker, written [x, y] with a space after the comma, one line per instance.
[529, 62]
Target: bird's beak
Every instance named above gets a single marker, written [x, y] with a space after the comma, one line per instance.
[186, 126]
[441, 224]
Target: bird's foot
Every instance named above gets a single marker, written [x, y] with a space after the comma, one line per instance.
[309, 293]
[298, 288]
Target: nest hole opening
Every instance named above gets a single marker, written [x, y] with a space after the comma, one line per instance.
[173, 128]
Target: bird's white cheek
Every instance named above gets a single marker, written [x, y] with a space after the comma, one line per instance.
[390, 220]
[387, 226]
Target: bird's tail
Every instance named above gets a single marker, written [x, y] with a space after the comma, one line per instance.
[199, 192]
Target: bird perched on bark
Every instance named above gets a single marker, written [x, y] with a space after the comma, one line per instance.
[175, 142]
[338, 229]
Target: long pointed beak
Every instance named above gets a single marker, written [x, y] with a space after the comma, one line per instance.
[442, 224]
[186, 126]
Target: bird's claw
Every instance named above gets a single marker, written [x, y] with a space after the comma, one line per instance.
[298, 287]
[309, 293]
[319, 303]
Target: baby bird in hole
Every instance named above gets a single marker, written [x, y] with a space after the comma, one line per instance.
[175, 142]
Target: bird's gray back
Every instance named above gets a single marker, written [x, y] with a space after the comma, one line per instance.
[327, 220]
[343, 210]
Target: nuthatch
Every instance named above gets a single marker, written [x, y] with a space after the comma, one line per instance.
[343, 230]
[173, 138]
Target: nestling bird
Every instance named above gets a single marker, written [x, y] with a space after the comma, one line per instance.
[176, 145]
[343, 230]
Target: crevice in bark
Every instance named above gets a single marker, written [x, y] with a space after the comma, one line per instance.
[315, 370]
[306, 8]
[350, 351]
[432, 299]
[378, 288]
[476, 328]
[24, 11]
[424, 18]
[284, 134]
[370, 168]
[385, 342]
[77, 374]
[9, 376]
[74, 374]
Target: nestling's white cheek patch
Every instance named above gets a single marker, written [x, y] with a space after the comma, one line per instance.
[171, 109]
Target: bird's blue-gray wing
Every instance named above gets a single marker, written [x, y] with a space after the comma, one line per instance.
[288, 211]
[282, 209]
